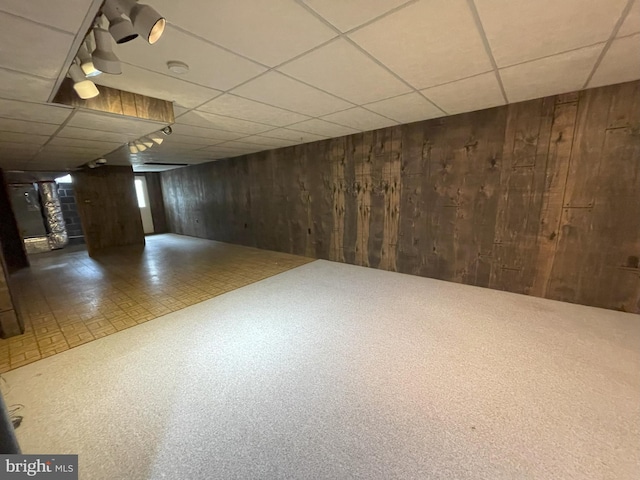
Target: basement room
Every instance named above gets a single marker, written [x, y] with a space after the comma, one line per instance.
[320, 239]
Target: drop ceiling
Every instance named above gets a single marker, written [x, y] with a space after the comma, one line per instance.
[265, 75]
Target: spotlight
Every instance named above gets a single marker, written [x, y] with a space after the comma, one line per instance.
[86, 62]
[148, 23]
[147, 142]
[101, 161]
[92, 164]
[103, 57]
[120, 28]
[133, 149]
[140, 146]
[167, 130]
[84, 88]
[157, 139]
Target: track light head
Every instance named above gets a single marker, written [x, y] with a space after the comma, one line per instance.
[133, 149]
[147, 22]
[84, 88]
[167, 130]
[92, 164]
[157, 139]
[120, 28]
[147, 142]
[86, 62]
[101, 161]
[140, 146]
[103, 57]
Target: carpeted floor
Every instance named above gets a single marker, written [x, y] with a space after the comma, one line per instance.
[332, 371]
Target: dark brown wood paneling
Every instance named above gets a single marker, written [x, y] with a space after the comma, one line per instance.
[108, 207]
[156, 203]
[12, 246]
[540, 197]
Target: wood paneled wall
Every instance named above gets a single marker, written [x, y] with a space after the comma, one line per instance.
[11, 244]
[156, 203]
[540, 197]
[108, 207]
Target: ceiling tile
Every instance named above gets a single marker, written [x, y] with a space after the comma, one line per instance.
[238, 107]
[19, 148]
[210, 120]
[209, 133]
[138, 80]
[21, 126]
[113, 123]
[87, 134]
[197, 142]
[360, 119]
[267, 142]
[209, 65]
[521, 30]
[620, 64]
[631, 24]
[77, 142]
[46, 52]
[352, 13]
[68, 18]
[23, 138]
[408, 108]
[33, 112]
[20, 86]
[179, 110]
[427, 43]
[321, 127]
[343, 70]
[281, 91]
[293, 135]
[467, 95]
[566, 72]
[268, 32]
[240, 147]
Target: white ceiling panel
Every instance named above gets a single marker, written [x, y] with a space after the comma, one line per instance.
[113, 123]
[360, 119]
[77, 142]
[21, 126]
[322, 127]
[138, 80]
[631, 24]
[281, 91]
[209, 65]
[213, 135]
[267, 142]
[347, 15]
[179, 110]
[68, 17]
[196, 142]
[87, 134]
[268, 32]
[18, 148]
[522, 30]
[33, 112]
[469, 94]
[211, 120]
[19, 86]
[153, 168]
[23, 138]
[407, 108]
[238, 107]
[427, 43]
[240, 147]
[343, 70]
[551, 75]
[293, 135]
[621, 63]
[47, 47]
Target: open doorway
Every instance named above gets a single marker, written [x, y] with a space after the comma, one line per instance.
[142, 193]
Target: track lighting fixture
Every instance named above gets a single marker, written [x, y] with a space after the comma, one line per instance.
[157, 139]
[133, 149]
[86, 62]
[120, 28]
[140, 146]
[101, 161]
[147, 22]
[103, 57]
[167, 130]
[84, 88]
[146, 141]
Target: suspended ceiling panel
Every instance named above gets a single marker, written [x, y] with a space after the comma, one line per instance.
[269, 74]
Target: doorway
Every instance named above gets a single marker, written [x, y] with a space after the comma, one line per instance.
[143, 202]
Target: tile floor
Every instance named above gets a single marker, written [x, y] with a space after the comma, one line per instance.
[68, 299]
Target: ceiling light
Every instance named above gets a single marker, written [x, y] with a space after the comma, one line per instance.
[179, 68]
[101, 161]
[84, 88]
[141, 146]
[133, 149]
[92, 164]
[120, 28]
[147, 22]
[167, 130]
[86, 62]
[103, 57]
[147, 142]
[157, 139]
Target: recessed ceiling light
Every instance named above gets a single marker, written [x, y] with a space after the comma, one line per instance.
[179, 68]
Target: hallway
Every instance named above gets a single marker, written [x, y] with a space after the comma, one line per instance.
[68, 298]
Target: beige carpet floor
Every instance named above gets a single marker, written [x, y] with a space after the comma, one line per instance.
[331, 371]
